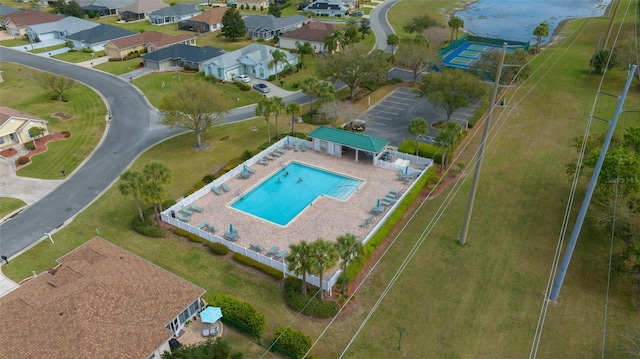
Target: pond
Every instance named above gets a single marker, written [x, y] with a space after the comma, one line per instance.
[516, 19]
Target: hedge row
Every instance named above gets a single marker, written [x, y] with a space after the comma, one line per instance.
[242, 259]
[292, 341]
[424, 150]
[296, 300]
[240, 312]
[147, 227]
[215, 248]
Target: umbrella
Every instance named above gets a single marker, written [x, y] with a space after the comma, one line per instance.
[231, 228]
[287, 140]
[406, 170]
[211, 314]
[378, 205]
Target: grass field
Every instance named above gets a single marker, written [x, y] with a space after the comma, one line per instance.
[8, 205]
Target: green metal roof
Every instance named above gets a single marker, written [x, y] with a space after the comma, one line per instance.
[349, 139]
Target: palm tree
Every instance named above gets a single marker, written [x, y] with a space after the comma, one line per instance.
[455, 23]
[447, 138]
[304, 49]
[300, 261]
[131, 183]
[277, 107]
[278, 57]
[294, 109]
[539, 32]
[153, 192]
[418, 126]
[264, 109]
[349, 249]
[157, 172]
[325, 255]
[393, 40]
[334, 41]
[310, 87]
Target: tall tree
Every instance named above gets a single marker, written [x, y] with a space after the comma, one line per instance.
[486, 67]
[418, 127]
[233, 26]
[304, 49]
[351, 32]
[277, 107]
[293, 109]
[455, 23]
[278, 57]
[393, 40]
[156, 175]
[36, 132]
[349, 250]
[542, 30]
[300, 259]
[354, 66]
[414, 56]
[334, 41]
[419, 23]
[364, 26]
[325, 256]
[447, 139]
[264, 109]
[451, 89]
[275, 10]
[153, 191]
[603, 59]
[56, 83]
[131, 183]
[196, 106]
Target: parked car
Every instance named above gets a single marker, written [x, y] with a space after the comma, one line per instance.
[357, 13]
[261, 88]
[242, 78]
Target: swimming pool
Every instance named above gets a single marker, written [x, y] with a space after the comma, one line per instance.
[281, 197]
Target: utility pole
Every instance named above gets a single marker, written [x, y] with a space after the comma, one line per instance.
[557, 283]
[485, 134]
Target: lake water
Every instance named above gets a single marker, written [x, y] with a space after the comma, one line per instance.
[516, 19]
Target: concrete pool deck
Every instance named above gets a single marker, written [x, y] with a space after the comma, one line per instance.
[326, 217]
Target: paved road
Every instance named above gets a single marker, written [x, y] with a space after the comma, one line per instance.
[380, 25]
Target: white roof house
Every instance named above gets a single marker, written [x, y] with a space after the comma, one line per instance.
[59, 29]
[250, 60]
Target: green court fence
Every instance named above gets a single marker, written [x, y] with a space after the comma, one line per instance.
[452, 46]
[498, 42]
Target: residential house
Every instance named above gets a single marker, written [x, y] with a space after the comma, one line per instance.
[208, 21]
[314, 33]
[180, 55]
[327, 8]
[103, 7]
[100, 301]
[58, 29]
[15, 125]
[173, 14]
[250, 60]
[6, 10]
[96, 38]
[149, 41]
[140, 9]
[16, 23]
[268, 26]
[249, 4]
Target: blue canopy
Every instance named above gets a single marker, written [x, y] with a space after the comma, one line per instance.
[211, 315]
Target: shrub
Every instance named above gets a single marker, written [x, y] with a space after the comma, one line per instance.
[217, 248]
[271, 77]
[208, 178]
[30, 146]
[87, 50]
[190, 236]
[23, 160]
[147, 227]
[293, 341]
[316, 308]
[242, 86]
[270, 271]
[240, 313]
[241, 7]
[395, 81]
[424, 150]
[246, 155]
[66, 134]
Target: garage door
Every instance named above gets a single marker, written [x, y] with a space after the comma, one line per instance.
[47, 36]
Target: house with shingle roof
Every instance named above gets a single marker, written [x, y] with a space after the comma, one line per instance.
[149, 41]
[59, 29]
[208, 21]
[103, 7]
[268, 26]
[96, 38]
[100, 301]
[327, 8]
[15, 125]
[333, 140]
[174, 14]
[314, 33]
[253, 60]
[16, 23]
[180, 55]
[6, 10]
[249, 4]
[140, 9]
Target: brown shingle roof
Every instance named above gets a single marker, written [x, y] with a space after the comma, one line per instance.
[31, 17]
[213, 16]
[7, 112]
[158, 39]
[313, 31]
[101, 302]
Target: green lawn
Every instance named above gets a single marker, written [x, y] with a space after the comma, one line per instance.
[215, 39]
[50, 48]
[8, 205]
[404, 10]
[86, 126]
[77, 56]
[119, 67]
[15, 42]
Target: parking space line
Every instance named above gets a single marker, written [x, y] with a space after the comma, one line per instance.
[383, 111]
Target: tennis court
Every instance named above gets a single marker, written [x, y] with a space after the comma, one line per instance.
[470, 48]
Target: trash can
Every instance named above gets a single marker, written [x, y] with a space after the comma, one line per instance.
[173, 214]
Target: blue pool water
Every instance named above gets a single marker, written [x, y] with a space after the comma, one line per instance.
[280, 202]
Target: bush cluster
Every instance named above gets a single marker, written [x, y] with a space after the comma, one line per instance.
[239, 312]
[296, 300]
[190, 236]
[208, 178]
[147, 227]
[66, 134]
[293, 341]
[217, 248]
[30, 146]
[424, 150]
[272, 272]
[23, 160]
[87, 50]
[242, 86]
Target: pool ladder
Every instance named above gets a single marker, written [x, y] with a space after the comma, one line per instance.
[239, 193]
[282, 165]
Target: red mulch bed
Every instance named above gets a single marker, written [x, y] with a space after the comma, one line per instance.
[41, 145]
[9, 152]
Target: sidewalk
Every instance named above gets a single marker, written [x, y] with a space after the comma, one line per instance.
[6, 284]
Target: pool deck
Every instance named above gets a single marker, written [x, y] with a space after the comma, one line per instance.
[325, 217]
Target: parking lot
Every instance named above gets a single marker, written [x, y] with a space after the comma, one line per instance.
[389, 118]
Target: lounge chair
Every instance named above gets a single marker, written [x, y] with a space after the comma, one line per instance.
[225, 187]
[251, 170]
[391, 199]
[186, 210]
[270, 157]
[263, 162]
[386, 202]
[275, 154]
[206, 332]
[245, 174]
[279, 151]
[256, 247]
[295, 147]
[303, 147]
[203, 225]
[273, 251]
[364, 223]
[280, 254]
[213, 331]
[210, 228]
[195, 207]
[182, 217]
[395, 192]
[216, 190]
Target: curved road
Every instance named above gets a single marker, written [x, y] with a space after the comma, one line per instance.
[134, 127]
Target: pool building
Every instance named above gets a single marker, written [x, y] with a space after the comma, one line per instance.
[300, 190]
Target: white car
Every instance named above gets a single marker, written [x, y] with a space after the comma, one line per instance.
[242, 78]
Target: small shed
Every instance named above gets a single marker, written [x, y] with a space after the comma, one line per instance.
[334, 140]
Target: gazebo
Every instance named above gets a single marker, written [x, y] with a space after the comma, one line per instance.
[333, 140]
